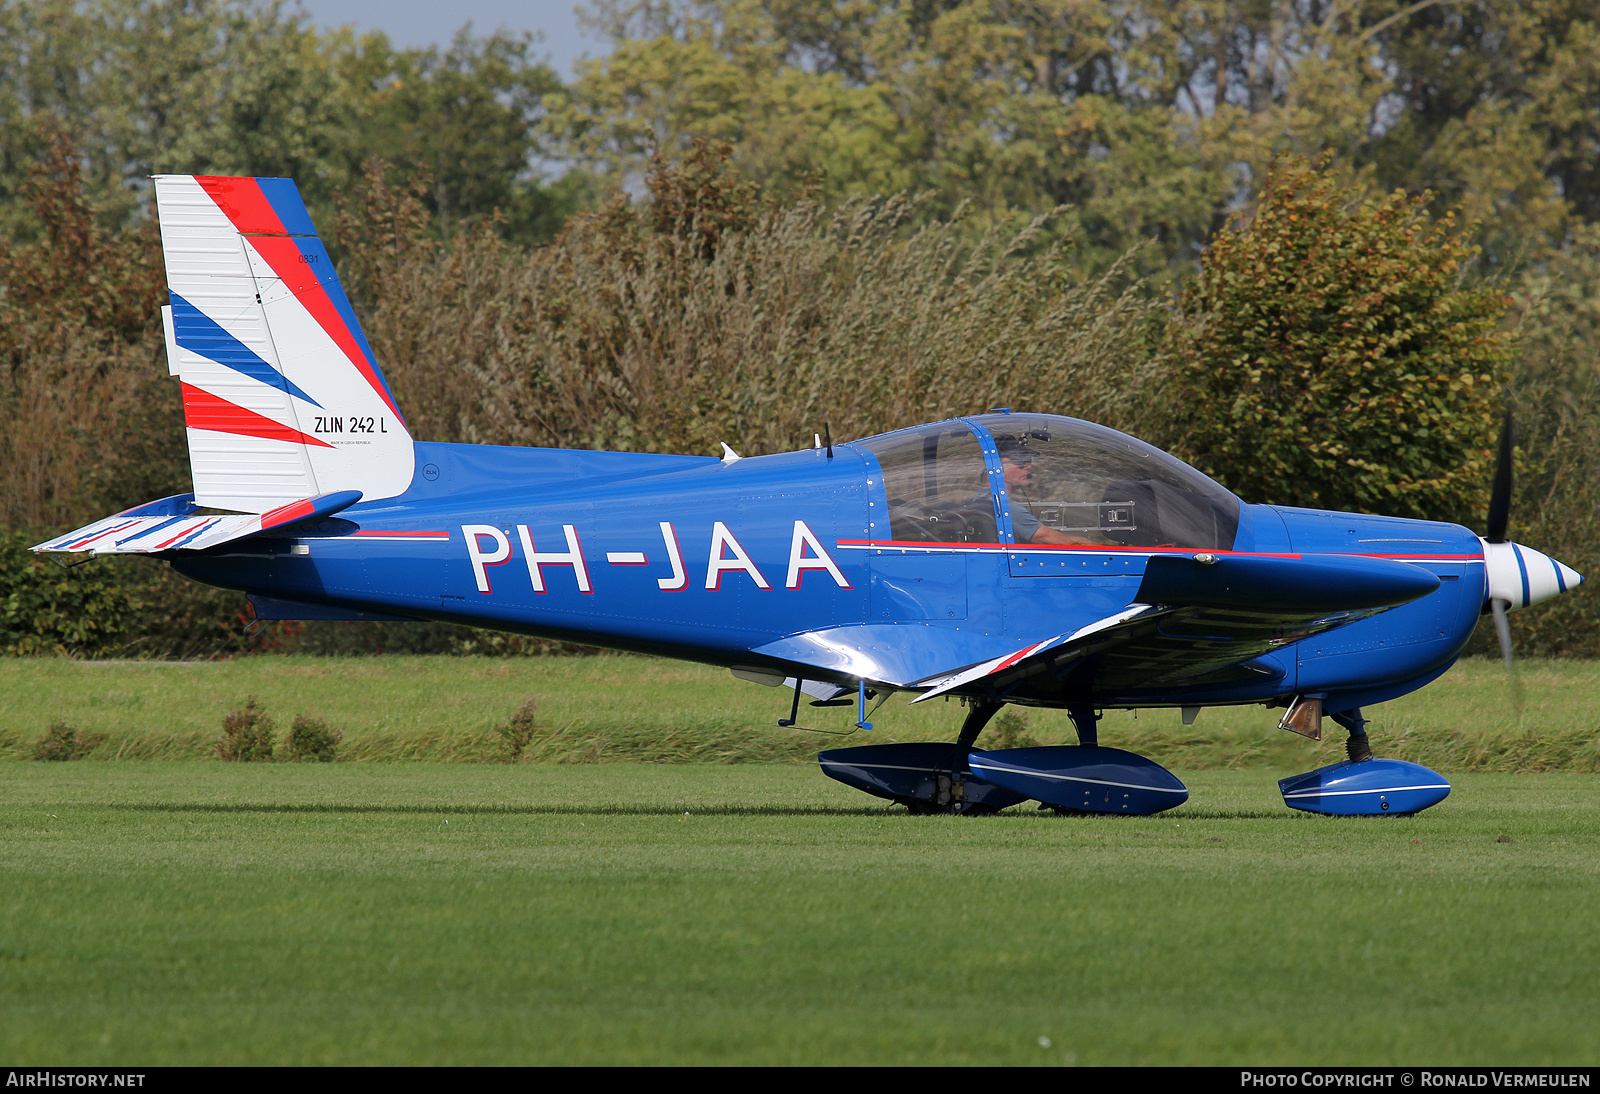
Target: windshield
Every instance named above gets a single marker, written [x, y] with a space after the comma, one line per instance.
[1093, 485]
[936, 484]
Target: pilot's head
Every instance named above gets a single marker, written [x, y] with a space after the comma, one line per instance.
[1016, 460]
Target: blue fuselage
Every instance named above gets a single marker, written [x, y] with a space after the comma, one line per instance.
[696, 558]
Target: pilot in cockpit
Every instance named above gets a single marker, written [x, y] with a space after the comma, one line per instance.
[1016, 462]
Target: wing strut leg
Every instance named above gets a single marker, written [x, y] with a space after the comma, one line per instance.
[1085, 720]
[978, 716]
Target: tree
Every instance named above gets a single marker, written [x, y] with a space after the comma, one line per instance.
[1151, 120]
[1332, 353]
[245, 87]
[462, 119]
[87, 413]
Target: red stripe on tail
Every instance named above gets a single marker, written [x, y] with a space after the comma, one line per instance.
[203, 410]
[243, 203]
[284, 256]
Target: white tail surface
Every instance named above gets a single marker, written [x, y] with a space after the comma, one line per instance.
[173, 524]
[281, 395]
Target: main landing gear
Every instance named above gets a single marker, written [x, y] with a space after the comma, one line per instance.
[958, 778]
[1088, 778]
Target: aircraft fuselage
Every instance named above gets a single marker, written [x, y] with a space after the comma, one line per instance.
[707, 560]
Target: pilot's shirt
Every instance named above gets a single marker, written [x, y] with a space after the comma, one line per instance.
[1024, 524]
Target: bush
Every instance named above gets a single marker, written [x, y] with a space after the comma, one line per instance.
[312, 739]
[671, 325]
[87, 412]
[710, 313]
[519, 731]
[1331, 355]
[246, 735]
[84, 611]
[62, 742]
[1010, 730]
[1556, 397]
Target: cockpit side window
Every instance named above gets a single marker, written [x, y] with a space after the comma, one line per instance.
[936, 484]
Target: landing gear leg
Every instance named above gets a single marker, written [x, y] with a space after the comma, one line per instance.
[1358, 747]
[979, 714]
[1085, 720]
[951, 793]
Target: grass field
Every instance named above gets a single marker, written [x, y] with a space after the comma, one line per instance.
[636, 708]
[703, 908]
[201, 912]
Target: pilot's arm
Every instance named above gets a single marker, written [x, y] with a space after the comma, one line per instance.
[1029, 530]
[1050, 535]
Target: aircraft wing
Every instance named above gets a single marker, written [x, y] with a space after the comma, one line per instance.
[1192, 620]
[1032, 657]
[175, 524]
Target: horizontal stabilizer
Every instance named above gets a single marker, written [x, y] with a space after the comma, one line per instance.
[174, 524]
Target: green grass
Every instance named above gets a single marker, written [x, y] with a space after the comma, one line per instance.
[636, 708]
[200, 912]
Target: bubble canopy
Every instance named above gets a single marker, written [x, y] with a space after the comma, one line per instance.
[1061, 480]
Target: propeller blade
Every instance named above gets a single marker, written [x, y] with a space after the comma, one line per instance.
[1500, 495]
[1502, 627]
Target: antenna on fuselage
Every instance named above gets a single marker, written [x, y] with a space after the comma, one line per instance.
[827, 439]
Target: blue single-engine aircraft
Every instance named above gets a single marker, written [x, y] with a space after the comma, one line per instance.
[1000, 558]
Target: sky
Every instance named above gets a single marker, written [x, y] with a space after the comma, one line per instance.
[430, 22]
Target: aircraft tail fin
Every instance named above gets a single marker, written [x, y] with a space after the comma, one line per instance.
[282, 397]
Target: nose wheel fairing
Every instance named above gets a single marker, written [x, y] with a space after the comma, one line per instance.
[1365, 788]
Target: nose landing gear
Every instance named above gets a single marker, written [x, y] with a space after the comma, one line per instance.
[1362, 785]
[1358, 748]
